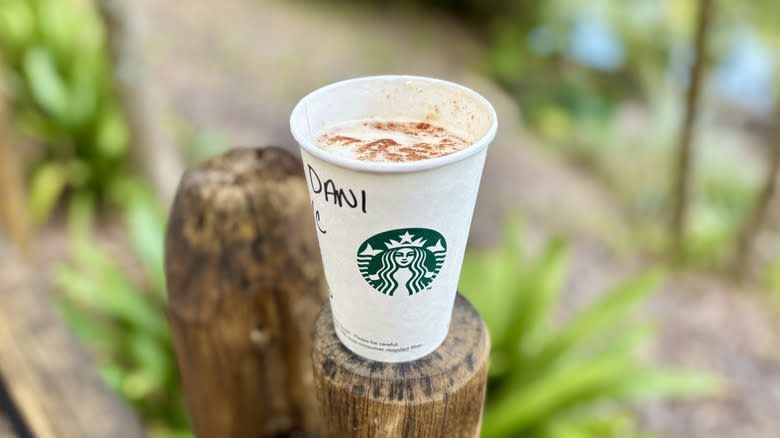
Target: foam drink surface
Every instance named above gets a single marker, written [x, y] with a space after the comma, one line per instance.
[390, 140]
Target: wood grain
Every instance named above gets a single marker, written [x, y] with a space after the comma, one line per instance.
[6, 431]
[49, 377]
[439, 395]
[245, 284]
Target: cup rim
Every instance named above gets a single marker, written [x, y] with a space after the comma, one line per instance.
[387, 167]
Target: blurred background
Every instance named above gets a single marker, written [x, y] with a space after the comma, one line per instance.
[624, 249]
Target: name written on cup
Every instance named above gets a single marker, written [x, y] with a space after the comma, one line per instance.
[338, 196]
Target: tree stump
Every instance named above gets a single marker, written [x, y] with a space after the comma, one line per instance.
[245, 284]
[439, 395]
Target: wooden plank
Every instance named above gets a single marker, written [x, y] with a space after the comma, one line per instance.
[11, 424]
[440, 395]
[245, 283]
[6, 430]
[49, 376]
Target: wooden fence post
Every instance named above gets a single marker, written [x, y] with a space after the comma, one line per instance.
[439, 395]
[245, 284]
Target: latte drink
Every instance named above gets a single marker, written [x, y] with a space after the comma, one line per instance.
[390, 141]
[393, 165]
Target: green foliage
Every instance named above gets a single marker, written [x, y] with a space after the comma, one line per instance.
[636, 166]
[580, 110]
[61, 94]
[569, 380]
[121, 319]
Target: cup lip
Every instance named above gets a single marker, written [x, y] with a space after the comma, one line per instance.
[387, 167]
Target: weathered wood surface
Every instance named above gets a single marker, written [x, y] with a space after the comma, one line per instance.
[49, 377]
[439, 395]
[11, 423]
[245, 284]
[6, 430]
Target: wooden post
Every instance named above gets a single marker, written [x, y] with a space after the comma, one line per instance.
[440, 395]
[245, 284]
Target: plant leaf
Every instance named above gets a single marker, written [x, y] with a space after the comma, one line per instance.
[492, 281]
[147, 232]
[656, 383]
[47, 86]
[542, 289]
[599, 316]
[531, 404]
[48, 183]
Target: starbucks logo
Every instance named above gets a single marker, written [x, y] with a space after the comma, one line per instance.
[408, 259]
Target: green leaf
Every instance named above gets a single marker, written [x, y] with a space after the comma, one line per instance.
[521, 407]
[84, 93]
[100, 285]
[147, 233]
[489, 281]
[34, 124]
[48, 183]
[47, 86]
[112, 374]
[81, 212]
[152, 359]
[598, 317]
[593, 423]
[657, 383]
[17, 25]
[542, 289]
[618, 343]
[99, 336]
[136, 385]
[492, 280]
[58, 24]
[625, 340]
[563, 431]
[170, 433]
[111, 136]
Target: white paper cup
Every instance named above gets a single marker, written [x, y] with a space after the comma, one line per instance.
[393, 235]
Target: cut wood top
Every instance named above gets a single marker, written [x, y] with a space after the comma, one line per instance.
[464, 352]
[441, 395]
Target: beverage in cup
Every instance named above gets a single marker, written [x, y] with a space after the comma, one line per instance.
[393, 165]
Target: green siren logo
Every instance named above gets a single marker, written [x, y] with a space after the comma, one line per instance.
[406, 259]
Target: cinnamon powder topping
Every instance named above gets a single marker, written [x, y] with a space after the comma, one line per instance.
[391, 141]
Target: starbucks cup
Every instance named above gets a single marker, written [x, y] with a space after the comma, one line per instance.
[393, 234]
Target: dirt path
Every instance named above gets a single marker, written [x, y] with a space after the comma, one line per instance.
[241, 66]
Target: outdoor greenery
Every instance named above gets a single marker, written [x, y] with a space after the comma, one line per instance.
[616, 115]
[61, 96]
[545, 380]
[122, 319]
[568, 379]
[617, 108]
[603, 83]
